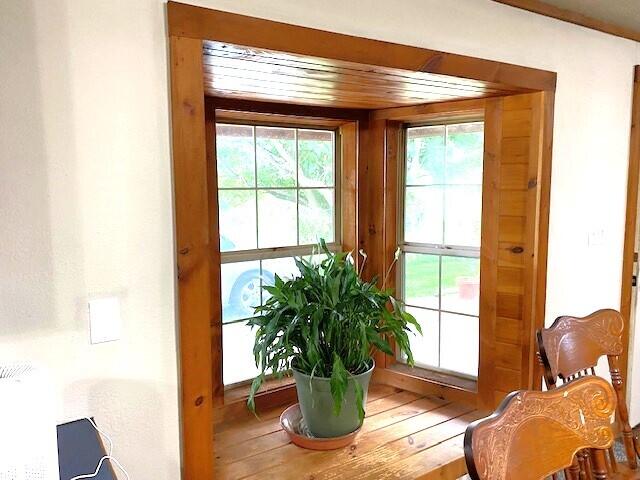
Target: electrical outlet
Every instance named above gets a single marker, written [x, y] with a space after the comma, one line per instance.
[104, 319]
[595, 238]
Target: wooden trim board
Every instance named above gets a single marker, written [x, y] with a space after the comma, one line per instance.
[193, 245]
[630, 239]
[206, 24]
[542, 8]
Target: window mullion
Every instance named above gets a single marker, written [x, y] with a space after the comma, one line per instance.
[255, 182]
[295, 133]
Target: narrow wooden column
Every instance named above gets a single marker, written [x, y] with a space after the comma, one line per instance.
[622, 412]
[193, 256]
[599, 464]
[629, 249]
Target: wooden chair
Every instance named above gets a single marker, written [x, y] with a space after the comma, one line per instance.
[571, 348]
[534, 434]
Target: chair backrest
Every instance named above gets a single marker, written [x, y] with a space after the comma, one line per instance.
[533, 434]
[574, 344]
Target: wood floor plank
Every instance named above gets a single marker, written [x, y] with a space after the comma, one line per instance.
[280, 456]
[317, 462]
[393, 456]
[233, 433]
[274, 439]
[443, 461]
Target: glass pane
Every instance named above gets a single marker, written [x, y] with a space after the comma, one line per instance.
[238, 364]
[421, 280]
[234, 147]
[461, 284]
[463, 214]
[425, 347]
[276, 218]
[316, 215]
[459, 343]
[315, 158]
[423, 215]
[425, 155]
[276, 157]
[237, 219]
[240, 288]
[465, 153]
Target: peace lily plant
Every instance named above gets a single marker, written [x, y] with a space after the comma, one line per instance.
[324, 325]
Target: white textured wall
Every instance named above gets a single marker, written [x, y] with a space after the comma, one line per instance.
[86, 209]
[85, 181]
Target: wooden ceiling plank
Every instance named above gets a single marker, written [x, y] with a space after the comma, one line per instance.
[296, 101]
[238, 82]
[346, 82]
[247, 87]
[202, 23]
[234, 52]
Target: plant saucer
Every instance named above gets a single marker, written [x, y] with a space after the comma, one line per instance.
[293, 423]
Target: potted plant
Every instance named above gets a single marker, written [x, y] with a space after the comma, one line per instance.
[324, 326]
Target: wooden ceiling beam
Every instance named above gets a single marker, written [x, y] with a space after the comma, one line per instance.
[542, 8]
[272, 108]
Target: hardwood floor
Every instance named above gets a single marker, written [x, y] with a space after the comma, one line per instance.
[405, 436]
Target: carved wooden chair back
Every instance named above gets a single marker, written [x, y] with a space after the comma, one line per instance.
[571, 348]
[533, 434]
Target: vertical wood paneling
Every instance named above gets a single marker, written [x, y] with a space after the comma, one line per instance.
[514, 276]
[372, 207]
[371, 202]
[214, 243]
[489, 250]
[391, 210]
[533, 197]
[192, 205]
[349, 188]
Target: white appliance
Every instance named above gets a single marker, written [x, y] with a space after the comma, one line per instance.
[28, 439]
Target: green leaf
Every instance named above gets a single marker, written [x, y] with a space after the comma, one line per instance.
[359, 400]
[379, 342]
[338, 383]
[255, 386]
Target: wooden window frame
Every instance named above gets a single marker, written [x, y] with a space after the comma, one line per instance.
[433, 374]
[232, 401]
[196, 251]
[485, 393]
[398, 119]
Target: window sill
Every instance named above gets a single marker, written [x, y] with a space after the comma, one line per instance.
[240, 393]
[406, 378]
[232, 405]
[441, 378]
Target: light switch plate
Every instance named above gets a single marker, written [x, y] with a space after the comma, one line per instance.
[104, 319]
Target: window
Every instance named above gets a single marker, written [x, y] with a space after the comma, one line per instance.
[440, 243]
[277, 197]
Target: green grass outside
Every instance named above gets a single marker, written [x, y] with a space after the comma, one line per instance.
[421, 273]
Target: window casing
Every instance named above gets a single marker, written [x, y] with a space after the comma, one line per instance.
[278, 194]
[439, 230]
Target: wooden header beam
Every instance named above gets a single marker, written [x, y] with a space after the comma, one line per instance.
[206, 24]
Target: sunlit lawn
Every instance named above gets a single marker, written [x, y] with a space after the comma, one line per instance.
[422, 273]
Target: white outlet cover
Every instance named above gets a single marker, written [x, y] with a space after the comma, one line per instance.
[104, 319]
